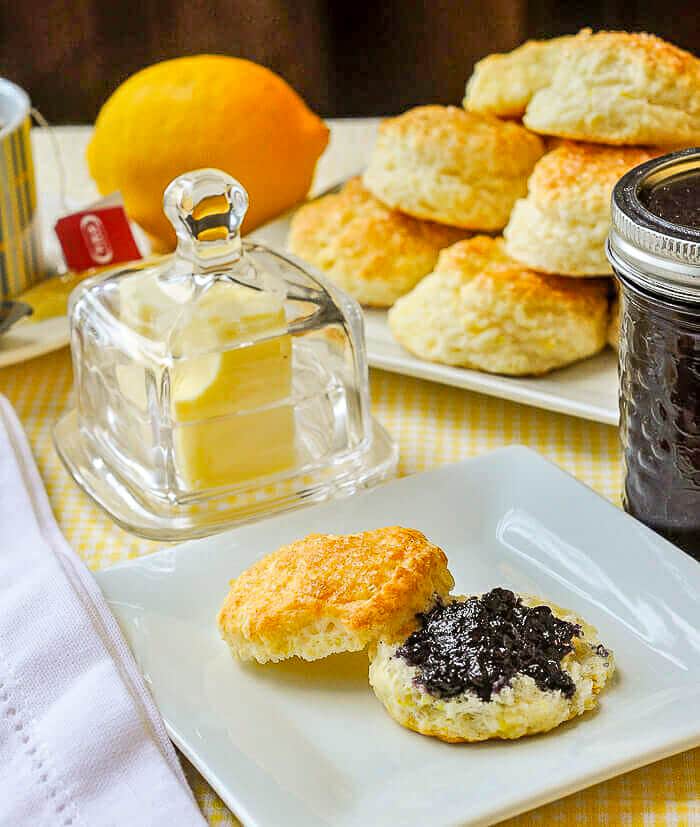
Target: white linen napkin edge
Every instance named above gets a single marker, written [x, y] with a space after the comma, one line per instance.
[89, 593]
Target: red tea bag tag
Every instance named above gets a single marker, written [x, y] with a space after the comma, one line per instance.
[98, 236]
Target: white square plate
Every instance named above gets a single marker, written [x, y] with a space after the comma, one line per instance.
[587, 389]
[307, 745]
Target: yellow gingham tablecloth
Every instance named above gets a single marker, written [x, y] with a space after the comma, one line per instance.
[433, 424]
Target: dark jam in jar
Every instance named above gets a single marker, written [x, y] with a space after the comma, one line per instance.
[676, 200]
[654, 247]
[660, 416]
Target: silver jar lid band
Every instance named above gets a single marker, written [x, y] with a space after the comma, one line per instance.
[650, 250]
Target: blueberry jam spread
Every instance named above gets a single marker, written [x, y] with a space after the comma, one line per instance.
[480, 644]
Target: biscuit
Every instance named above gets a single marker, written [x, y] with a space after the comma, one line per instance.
[480, 309]
[503, 84]
[519, 708]
[607, 87]
[371, 251]
[562, 224]
[326, 594]
[444, 164]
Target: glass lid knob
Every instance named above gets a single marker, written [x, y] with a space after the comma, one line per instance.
[206, 207]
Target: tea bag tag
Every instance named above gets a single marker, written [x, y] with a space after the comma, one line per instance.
[99, 235]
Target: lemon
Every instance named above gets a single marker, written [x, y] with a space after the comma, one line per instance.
[205, 111]
[49, 298]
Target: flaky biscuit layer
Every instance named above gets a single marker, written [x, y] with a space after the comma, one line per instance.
[455, 167]
[481, 309]
[332, 593]
[604, 87]
[562, 224]
[373, 252]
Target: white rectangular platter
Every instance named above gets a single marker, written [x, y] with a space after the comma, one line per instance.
[587, 389]
[308, 745]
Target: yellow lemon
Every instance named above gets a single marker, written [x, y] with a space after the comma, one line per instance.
[49, 298]
[205, 111]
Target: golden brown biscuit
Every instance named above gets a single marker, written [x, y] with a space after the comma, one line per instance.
[373, 252]
[327, 594]
[481, 309]
[503, 84]
[444, 164]
[520, 708]
[607, 87]
[562, 224]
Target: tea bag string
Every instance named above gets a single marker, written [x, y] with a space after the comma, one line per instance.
[58, 158]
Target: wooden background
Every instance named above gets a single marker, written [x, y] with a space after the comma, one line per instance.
[345, 58]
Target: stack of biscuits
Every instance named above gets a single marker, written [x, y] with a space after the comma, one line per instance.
[483, 228]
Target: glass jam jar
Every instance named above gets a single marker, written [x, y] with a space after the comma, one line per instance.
[654, 248]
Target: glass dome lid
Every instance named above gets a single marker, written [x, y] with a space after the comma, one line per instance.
[219, 384]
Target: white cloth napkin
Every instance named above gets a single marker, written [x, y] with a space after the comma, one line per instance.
[81, 741]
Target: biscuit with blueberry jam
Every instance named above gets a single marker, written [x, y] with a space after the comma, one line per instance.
[496, 665]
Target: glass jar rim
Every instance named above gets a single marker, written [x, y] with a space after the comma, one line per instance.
[650, 250]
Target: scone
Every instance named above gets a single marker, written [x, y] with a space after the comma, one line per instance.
[503, 84]
[326, 594]
[444, 164]
[481, 309]
[562, 224]
[491, 666]
[607, 87]
[373, 252]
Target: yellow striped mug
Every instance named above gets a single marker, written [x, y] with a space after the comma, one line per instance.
[21, 263]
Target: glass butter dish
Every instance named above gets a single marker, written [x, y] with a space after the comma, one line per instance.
[217, 385]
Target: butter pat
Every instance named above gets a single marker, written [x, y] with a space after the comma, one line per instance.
[232, 414]
[232, 417]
